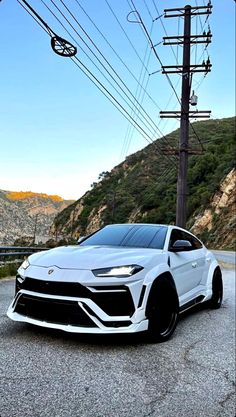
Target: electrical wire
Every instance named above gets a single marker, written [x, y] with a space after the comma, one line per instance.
[146, 117]
[124, 32]
[113, 98]
[31, 14]
[159, 60]
[145, 31]
[117, 55]
[91, 76]
[164, 28]
[142, 76]
[148, 10]
[99, 69]
[115, 102]
[141, 107]
[150, 130]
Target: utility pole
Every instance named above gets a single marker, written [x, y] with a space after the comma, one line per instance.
[187, 70]
[35, 228]
[184, 124]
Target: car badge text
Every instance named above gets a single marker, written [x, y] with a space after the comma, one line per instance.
[50, 271]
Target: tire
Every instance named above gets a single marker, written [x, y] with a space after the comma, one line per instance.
[162, 311]
[217, 290]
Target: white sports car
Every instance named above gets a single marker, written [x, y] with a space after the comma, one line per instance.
[124, 278]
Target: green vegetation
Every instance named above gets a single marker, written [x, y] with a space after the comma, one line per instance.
[138, 187]
[9, 269]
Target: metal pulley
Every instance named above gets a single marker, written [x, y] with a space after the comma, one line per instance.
[63, 47]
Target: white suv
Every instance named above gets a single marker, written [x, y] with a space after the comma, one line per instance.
[124, 278]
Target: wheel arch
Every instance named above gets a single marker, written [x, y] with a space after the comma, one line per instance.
[165, 278]
[214, 267]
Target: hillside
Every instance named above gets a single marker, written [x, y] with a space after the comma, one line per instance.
[141, 189]
[26, 214]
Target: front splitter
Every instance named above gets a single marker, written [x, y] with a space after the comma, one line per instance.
[133, 328]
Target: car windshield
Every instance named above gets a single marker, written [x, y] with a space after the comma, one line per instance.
[139, 236]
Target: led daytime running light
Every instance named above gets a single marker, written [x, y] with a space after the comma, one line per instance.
[117, 271]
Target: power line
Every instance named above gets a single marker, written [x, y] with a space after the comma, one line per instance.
[124, 32]
[152, 45]
[115, 102]
[117, 55]
[164, 28]
[99, 83]
[146, 117]
[159, 60]
[138, 104]
[129, 131]
[31, 14]
[111, 97]
[148, 10]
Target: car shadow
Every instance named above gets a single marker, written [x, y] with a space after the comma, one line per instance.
[121, 339]
[34, 333]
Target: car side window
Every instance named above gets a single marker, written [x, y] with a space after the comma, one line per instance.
[177, 234]
[196, 244]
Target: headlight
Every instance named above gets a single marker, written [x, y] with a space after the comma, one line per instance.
[25, 264]
[118, 271]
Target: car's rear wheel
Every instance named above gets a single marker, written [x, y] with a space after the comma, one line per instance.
[217, 290]
[162, 311]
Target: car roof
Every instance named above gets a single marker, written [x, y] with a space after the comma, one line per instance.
[144, 224]
[169, 226]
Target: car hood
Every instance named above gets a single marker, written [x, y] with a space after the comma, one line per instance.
[92, 257]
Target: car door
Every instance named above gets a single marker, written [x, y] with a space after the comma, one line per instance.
[186, 266]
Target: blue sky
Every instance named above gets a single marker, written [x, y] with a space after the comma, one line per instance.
[58, 132]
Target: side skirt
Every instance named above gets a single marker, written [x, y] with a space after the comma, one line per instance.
[191, 303]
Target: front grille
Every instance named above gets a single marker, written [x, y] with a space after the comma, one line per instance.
[67, 289]
[113, 303]
[53, 311]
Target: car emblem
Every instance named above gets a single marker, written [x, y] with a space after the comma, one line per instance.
[50, 271]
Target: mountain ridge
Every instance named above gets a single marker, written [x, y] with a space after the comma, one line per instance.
[22, 195]
[27, 214]
[137, 190]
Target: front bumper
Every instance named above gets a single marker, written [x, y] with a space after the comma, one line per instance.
[105, 310]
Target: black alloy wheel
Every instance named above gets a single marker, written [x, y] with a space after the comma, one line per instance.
[217, 290]
[162, 312]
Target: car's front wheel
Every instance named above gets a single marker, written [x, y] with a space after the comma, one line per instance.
[162, 311]
[217, 289]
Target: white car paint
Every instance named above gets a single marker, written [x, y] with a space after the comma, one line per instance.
[192, 272]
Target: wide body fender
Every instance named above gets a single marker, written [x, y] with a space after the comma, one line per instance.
[152, 276]
[208, 282]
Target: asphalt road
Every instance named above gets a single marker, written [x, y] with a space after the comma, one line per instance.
[50, 373]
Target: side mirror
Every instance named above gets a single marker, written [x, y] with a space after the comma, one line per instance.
[180, 246]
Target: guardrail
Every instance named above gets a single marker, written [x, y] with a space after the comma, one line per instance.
[7, 252]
